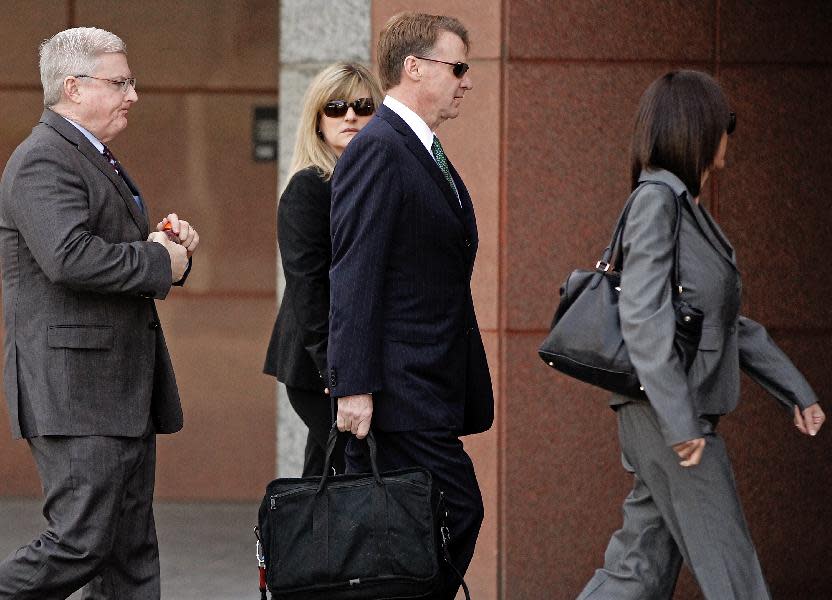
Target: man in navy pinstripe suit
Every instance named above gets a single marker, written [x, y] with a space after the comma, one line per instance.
[405, 352]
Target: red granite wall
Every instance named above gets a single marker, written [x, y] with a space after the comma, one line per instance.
[573, 73]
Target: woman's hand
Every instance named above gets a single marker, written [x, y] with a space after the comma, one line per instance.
[811, 420]
[690, 452]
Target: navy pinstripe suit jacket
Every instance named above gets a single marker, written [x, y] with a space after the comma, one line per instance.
[402, 322]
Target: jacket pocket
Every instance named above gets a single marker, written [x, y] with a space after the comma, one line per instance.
[92, 337]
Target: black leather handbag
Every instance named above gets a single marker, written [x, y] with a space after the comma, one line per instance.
[585, 340]
[359, 536]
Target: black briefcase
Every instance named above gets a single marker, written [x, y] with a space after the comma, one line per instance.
[349, 537]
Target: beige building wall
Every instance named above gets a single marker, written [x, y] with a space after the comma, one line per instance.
[201, 67]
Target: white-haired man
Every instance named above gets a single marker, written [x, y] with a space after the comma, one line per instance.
[88, 378]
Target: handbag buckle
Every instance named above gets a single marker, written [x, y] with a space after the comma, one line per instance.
[602, 266]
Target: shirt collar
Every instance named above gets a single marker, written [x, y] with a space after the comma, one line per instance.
[93, 140]
[665, 176]
[414, 121]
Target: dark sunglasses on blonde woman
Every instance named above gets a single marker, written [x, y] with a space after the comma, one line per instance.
[363, 107]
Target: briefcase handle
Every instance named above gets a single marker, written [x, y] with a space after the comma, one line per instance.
[330, 448]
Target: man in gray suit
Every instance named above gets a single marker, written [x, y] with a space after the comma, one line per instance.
[88, 378]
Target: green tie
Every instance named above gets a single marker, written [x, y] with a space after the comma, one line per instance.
[442, 161]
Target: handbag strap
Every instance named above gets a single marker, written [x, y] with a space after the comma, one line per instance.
[613, 256]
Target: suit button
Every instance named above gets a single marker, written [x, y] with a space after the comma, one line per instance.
[467, 243]
[153, 325]
[333, 378]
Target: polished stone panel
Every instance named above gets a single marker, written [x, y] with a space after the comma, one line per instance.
[26, 25]
[321, 31]
[183, 44]
[191, 154]
[774, 193]
[226, 449]
[472, 143]
[19, 113]
[775, 31]
[603, 30]
[562, 476]
[485, 453]
[568, 170]
[482, 19]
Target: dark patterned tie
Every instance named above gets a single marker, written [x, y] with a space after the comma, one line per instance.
[442, 161]
[112, 160]
[117, 168]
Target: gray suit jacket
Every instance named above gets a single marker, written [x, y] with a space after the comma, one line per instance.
[711, 282]
[84, 351]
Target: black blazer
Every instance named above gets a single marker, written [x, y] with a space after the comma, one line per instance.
[297, 350]
[402, 323]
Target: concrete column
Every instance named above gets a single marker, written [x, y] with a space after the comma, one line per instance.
[313, 34]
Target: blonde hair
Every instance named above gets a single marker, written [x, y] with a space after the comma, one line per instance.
[340, 81]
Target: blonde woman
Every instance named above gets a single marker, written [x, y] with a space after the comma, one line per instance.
[339, 102]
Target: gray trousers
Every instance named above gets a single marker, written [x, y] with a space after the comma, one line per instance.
[101, 533]
[674, 514]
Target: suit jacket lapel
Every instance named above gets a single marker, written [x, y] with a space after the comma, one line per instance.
[710, 230]
[135, 209]
[414, 144]
[467, 206]
[59, 124]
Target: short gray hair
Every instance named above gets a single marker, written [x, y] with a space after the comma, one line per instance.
[73, 52]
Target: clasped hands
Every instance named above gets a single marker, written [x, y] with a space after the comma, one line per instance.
[808, 422]
[180, 244]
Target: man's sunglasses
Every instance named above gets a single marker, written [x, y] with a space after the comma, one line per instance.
[732, 123]
[460, 68]
[363, 107]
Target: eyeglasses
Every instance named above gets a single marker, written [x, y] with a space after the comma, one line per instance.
[460, 68]
[363, 107]
[125, 84]
[732, 123]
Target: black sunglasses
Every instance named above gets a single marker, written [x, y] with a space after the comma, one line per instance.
[732, 123]
[460, 68]
[363, 107]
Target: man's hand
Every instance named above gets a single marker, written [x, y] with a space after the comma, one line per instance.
[355, 414]
[811, 420]
[183, 231]
[690, 452]
[178, 254]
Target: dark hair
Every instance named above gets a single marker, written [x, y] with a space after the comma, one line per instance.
[411, 33]
[679, 124]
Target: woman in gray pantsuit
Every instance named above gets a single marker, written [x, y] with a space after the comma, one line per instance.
[684, 503]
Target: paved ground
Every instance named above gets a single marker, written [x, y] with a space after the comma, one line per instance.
[207, 550]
